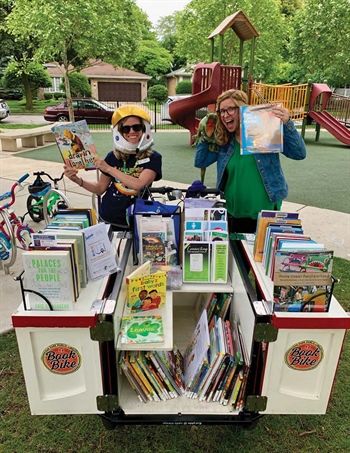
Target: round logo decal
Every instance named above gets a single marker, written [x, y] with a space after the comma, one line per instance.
[303, 356]
[61, 358]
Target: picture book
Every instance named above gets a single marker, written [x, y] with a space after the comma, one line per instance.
[141, 329]
[196, 262]
[266, 218]
[153, 239]
[146, 292]
[89, 213]
[196, 354]
[261, 131]
[50, 273]
[76, 145]
[306, 298]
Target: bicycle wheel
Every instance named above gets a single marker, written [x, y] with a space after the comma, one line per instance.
[35, 208]
[8, 250]
[51, 202]
[23, 236]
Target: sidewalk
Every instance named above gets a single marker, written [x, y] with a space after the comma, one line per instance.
[328, 227]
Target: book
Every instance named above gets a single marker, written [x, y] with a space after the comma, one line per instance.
[89, 213]
[261, 131]
[146, 292]
[153, 239]
[75, 144]
[265, 218]
[141, 329]
[297, 298]
[50, 273]
[196, 262]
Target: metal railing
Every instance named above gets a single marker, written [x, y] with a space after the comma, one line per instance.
[339, 107]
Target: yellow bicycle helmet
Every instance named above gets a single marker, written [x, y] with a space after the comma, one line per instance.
[119, 141]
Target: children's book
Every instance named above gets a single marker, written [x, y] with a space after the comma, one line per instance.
[306, 298]
[141, 329]
[146, 292]
[76, 145]
[153, 239]
[261, 131]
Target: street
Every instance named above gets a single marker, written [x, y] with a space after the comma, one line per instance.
[24, 119]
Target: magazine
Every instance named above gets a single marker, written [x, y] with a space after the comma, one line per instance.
[76, 145]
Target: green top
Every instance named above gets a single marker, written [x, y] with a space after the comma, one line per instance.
[244, 190]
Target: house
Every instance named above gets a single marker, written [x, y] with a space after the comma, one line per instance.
[108, 83]
[174, 77]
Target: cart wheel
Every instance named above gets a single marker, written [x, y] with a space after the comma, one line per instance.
[23, 235]
[108, 424]
[35, 209]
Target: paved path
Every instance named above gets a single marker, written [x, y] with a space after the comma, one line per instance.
[24, 119]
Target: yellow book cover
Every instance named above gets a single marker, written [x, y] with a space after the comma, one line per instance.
[146, 292]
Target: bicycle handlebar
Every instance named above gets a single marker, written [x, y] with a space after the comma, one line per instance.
[11, 193]
[166, 190]
[43, 173]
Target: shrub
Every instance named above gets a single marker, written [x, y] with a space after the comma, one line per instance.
[48, 96]
[184, 87]
[157, 93]
[58, 95]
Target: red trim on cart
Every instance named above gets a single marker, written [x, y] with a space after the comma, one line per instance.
[54, 321]
[310, 323]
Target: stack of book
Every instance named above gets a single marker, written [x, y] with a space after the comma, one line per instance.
[205, 248]
[300, 268]
[215, 367]
[154, 376]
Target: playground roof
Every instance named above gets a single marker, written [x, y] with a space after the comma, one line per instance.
[239, 23]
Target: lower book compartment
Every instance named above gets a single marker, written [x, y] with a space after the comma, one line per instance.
[187, 308]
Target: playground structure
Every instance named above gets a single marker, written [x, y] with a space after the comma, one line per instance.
[305, 102]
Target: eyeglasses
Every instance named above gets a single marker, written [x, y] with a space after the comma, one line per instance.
[135, 127]
[229, 110]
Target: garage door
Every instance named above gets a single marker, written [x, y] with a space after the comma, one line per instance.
[117, 91]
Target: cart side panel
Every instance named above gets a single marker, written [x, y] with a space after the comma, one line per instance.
[300, 370]
[61, 368]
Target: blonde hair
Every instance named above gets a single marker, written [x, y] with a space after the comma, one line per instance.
[239, 98]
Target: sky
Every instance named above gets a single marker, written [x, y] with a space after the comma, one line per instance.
[155, 9]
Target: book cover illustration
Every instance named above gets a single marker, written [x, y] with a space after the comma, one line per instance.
[141, 329]
[308, 298]
[153, 239]
[261, 130]
[76, 145]
[146, 292]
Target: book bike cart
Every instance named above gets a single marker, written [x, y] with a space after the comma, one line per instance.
[292, 357]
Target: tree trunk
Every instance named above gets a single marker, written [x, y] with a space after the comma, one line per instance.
[28, 92]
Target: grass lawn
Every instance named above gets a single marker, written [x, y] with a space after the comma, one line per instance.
[319, 180]
[21, 432]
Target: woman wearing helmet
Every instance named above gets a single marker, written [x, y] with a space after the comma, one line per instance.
[129, 168]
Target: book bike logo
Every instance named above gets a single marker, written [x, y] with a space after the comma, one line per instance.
[304, 356]
[61, 358]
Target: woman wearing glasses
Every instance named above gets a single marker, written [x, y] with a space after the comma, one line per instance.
[129, 168]
[250, 183]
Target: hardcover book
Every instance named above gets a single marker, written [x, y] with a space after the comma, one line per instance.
[261, 131]
[146, 292]
[306, 298]
[76, 145]
[141, 329]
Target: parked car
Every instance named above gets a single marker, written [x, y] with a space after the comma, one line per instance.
[4, 110]
[91, 110]
[11, 93]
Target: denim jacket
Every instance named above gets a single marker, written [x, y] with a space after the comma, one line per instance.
[268, 164]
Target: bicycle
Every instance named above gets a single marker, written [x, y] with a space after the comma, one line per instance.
[13, 232]
[44, 201]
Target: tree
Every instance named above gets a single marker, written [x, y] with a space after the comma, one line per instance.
[152, 59]
[184, 87]
[158, 93]
[200, 17]
[166, 32]
[321, 41]
[79, 85]
[72, 33]
[27, 74]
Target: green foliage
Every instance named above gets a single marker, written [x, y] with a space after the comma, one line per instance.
[184, 87]
[166, 31]
[320, 42]
[79, 85]
[48, 96]
[157, 93]
[32, 71]
[152, 59]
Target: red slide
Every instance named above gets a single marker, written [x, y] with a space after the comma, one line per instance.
[209, 80]
[320, 95]
[326, 120]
